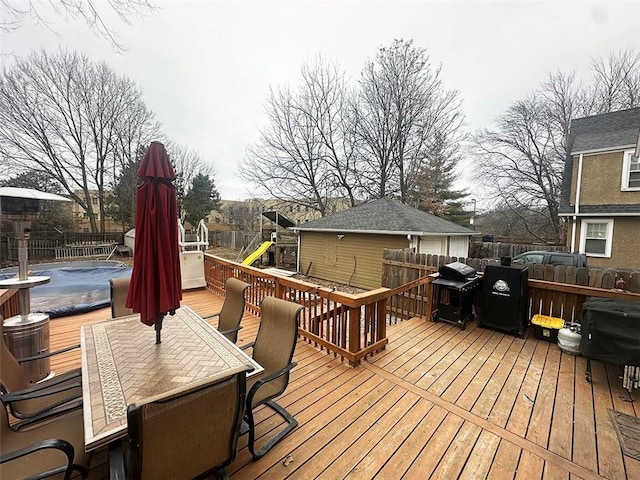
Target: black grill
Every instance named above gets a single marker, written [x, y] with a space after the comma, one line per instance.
[455, 291]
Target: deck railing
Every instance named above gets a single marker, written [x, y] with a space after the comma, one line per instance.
[349, 326]
[565, 301]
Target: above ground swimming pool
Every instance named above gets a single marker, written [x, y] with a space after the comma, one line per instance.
[75, 287]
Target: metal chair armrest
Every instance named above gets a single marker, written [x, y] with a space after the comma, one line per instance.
[247, 346]
[256, 386]
[211, 316]
[50, 354]
[57, 444]
[235, 329]
[37, 391]
[45, 415]
[49, 386]
[60, 406]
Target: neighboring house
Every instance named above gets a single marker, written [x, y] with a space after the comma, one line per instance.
[246, 214]
[601, 188]
[347, 247]
[81, 218]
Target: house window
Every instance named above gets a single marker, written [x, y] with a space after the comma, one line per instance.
[596, 237]
[630, 171]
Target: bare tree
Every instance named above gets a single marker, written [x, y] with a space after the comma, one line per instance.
[520, 166]
[308, 152]
[241, 216]
[135, 128]
[324, 140]
[288, 163]
[328, 106]
[503, 221]
[565, 99]
[15, 14]
[616, 82]
[521, 160]
[187, 165]
[61, 114]
[404, 110]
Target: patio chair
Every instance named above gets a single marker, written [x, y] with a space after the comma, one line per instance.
[119, 288]
[273, 349]
[182, 436]
[52, 448]
[232, 308]
[35, 402]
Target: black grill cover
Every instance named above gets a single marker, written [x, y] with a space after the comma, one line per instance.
[457, 271]
[611, 331]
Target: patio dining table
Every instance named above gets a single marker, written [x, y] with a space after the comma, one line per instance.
[122, 364]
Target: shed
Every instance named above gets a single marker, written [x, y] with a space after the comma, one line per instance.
[347, 247]
[130, 239]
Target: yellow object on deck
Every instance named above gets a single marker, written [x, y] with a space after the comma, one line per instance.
[257, 254]
[548, 322]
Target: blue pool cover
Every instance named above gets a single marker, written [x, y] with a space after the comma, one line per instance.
[73, 290]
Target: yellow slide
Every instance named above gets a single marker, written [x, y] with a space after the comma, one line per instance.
[257, 254]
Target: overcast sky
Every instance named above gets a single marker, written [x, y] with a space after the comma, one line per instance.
[205, 67]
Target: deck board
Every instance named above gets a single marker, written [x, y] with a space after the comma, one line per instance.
[610, 462]
[561, 422]
[438, 402]
[481, 457]
[372, 434]
[345, 430]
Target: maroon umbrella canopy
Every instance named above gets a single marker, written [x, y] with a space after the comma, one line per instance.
[156, 286]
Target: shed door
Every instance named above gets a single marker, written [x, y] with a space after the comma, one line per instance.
[433, 245]
[459, 247]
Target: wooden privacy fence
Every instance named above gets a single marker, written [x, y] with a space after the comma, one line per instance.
[404, 267]
[349, 326]
[558, 291]
[499, 250]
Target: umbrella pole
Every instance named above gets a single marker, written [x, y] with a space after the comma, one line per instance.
[158, 327]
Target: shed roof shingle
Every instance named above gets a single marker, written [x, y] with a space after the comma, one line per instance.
[385, 215]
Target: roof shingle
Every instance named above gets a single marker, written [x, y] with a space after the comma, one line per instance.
[605, 131]
[385, 215]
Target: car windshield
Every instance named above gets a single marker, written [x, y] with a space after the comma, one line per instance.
[530, 258]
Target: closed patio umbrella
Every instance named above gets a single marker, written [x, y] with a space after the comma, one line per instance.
[156, 285]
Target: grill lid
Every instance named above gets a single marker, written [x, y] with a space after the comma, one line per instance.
[457, 271]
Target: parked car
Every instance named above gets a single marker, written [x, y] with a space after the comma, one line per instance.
[552, 258]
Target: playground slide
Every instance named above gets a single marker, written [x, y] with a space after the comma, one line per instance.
[257, 254]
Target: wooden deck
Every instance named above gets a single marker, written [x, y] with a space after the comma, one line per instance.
[438, 403]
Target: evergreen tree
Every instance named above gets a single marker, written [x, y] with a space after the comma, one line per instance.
[433, 191]
[201, 198]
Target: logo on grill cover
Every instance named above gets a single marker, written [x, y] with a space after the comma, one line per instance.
[501, 288]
